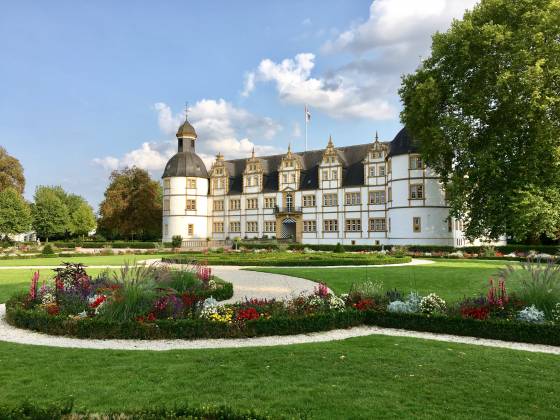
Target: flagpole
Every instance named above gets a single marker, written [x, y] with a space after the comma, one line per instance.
[306, 121]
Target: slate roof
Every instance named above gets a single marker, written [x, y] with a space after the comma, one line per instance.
[190, 164]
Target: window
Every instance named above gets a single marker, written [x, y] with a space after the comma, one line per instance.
[191, 205]
[234, 204]
[390, 194]
[252, 227]
[416, 191]
[270, 226]
[289, 201]
[389, 225]
[375, 155]
[252, 204]
[191, 183]
[377, 197]
[218, 227]
[389, 166]
[165, 229]
[166, 204]
[308, 201]
[269, 202]
[449, 224]
[235, 227]
[381, 170]
[416, 224]
[325, 175]
[309, 226]
[352, 198]
[285, 178]
[293, 178]
[334, 174]
[218, 205]
[371, 171]
[330, 225]
[330, 200]
[415, 162]
[166, 184]
[190, 230]
[353, 225]
[377, 224]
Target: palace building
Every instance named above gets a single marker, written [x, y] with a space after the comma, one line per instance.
[375, 193]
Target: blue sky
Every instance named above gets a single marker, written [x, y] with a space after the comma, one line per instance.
[90, 86]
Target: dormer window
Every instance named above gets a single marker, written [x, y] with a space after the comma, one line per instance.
[219, 184]
[253, 174]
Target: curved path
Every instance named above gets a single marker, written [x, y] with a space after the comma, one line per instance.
[259, 285]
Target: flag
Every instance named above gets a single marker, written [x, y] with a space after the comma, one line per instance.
[307, 114]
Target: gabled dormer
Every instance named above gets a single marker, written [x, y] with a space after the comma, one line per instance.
[253, 175]
[330, 168]
[219, 177]
[289, 171]
[375, 165]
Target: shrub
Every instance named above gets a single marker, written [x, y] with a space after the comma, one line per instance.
[411, 305]
[539, 283]
[556, 313]
[48, 250]
[531, 314]
[338, 248]
[432, 304]
[176, 241]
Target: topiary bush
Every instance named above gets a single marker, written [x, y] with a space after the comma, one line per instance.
[48, 249]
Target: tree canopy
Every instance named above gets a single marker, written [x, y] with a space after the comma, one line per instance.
[57, 213]
[132, 206]
[485, 108]
[15, 213]
[50, 214]
[11, 172]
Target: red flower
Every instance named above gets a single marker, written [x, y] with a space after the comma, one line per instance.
[247, 314]
[98, 301]
[479, 312]
[364, 304]
[151, 317]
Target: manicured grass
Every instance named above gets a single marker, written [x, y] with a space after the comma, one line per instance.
[368, 377]
[86, 259]
[12, 281]
[451, 279]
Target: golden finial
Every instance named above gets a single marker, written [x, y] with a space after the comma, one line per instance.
[330, 144]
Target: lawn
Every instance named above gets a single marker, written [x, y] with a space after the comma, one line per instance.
[367, 377]
[451, 279]
[86, 259]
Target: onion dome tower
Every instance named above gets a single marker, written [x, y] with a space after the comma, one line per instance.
[185, 190]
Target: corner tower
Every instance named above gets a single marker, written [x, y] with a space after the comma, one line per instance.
[185, 190]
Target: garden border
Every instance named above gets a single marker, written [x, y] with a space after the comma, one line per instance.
[12, 334]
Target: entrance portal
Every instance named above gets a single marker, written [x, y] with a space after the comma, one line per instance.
[288, 229]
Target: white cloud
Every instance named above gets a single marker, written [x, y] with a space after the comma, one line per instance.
[151, 156]
[248, 84]
[338, 95]
[220, 126]
[394, 22]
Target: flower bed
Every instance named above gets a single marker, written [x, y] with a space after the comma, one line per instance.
[145, 303]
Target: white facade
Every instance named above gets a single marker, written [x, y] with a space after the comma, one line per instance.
[398, 201]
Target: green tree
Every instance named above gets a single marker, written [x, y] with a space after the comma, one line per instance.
[82, 219]
[132, 206]
[50, 213]
[15, 213]
[11, 172]
[485, 108]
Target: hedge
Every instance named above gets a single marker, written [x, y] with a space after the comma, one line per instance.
[64, 410]
[546, 333]
[296, 261]
[505, 330]
[176, 329]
